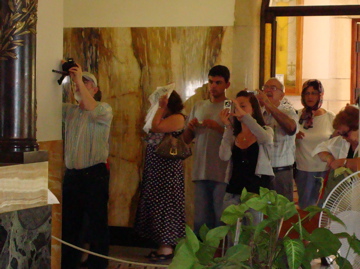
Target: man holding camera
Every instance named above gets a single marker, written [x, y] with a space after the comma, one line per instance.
[280, 115]
[204, 124]
[86, 180]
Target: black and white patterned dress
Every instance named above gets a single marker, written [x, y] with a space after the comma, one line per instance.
[161, 209]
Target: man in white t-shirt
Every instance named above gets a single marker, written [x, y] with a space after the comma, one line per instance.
[204, 124]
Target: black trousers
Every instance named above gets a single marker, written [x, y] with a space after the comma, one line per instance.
[85, 196]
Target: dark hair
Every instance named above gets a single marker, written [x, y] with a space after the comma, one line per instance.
[257, 115]
[348, 116]
[98, 95]
[220, 71]
[175, 104]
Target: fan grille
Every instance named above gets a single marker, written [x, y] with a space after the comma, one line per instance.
[344, 202]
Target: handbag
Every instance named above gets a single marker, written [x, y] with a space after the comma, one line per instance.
[172, 147]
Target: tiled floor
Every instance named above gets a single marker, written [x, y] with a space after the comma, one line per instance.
[137, 255]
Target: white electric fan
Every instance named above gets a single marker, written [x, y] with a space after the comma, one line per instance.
[344, 202]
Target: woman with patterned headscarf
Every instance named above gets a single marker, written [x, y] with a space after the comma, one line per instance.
[315, 127]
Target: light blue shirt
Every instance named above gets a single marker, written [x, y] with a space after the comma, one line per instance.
[86, 135]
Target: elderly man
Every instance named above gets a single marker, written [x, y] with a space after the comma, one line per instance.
[86, 180]
[280, 115]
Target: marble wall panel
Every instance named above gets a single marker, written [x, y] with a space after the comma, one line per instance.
[56, 172]
[130, 63]
[23, 186]
[25, 237]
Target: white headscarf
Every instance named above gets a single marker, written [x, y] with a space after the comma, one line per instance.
[154, 101]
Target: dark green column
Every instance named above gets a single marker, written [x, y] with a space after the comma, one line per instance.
[17, 76]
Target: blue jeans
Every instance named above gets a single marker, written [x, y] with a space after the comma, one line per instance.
[85, 197]
[209, 197]
[308, 186]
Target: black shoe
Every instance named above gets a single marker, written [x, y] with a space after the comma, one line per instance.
[162, 257]
[326, 261]
[151, 255]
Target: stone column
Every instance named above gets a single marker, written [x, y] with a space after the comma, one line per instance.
[245, 73]
[17, 77]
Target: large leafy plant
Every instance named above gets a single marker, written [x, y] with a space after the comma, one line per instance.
[259, 246]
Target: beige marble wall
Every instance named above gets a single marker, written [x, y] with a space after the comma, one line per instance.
[56, 171]
[23, 186]
[130, 63]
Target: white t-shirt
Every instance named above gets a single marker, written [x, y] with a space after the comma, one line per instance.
[321, 131]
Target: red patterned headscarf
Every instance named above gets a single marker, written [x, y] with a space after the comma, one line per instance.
[307, 115]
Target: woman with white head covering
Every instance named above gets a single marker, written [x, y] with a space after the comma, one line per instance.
[315, 127]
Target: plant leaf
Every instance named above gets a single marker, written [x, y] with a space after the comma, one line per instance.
[295, 250]
[205, 255]
[313, 210]
[325, 241]
[233, 212]
[184, 258]
[203, 231]
[354, 243]
[261, 226]
[239, 252]
[214, 236]
[343, 263]
[310, 254]
[191, 240]
[333, 217]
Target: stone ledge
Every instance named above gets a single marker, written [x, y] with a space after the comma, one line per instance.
[10, 158]
[23, 186]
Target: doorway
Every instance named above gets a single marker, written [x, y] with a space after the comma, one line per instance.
[341, 87]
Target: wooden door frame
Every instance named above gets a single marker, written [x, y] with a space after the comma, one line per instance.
[268, 16]
[353, 82]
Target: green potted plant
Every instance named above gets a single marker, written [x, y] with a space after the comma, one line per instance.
[259, 246]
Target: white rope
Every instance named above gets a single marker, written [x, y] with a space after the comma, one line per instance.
[110, 258]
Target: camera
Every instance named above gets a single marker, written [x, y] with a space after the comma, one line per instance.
[227, 104]
[68, 64]
[65, 67]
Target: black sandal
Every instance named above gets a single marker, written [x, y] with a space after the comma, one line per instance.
[163, 257]
[152, 255]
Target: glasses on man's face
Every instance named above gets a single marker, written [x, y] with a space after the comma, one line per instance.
[311, 93]
[269, 88]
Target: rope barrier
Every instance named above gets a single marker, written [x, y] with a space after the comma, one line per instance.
[110, 258]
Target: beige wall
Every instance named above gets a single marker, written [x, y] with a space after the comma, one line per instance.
[327, 56]
[148, 13]
[48, 55]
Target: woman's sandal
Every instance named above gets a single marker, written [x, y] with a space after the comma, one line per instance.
[163, 257]
[152, 255]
